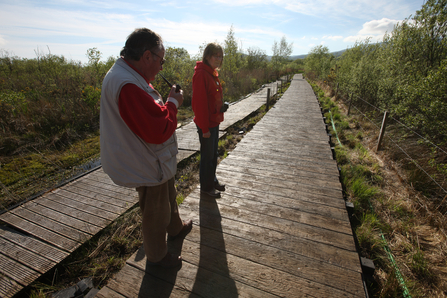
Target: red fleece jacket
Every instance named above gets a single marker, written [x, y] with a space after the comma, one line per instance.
[152, 122]
[206, 97]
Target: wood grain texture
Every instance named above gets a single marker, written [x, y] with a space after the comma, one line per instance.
[280, 229]
[61, 220]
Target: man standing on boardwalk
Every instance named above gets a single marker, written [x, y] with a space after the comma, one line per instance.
[138, 141]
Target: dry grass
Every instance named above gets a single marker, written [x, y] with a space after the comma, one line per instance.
[412, 222]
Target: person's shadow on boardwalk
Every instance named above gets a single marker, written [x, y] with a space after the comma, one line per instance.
[213, 276]
[157, 281]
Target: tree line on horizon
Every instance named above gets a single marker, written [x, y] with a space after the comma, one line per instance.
[50, 100]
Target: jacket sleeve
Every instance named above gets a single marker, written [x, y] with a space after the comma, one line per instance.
[200, 101]
[146, 118]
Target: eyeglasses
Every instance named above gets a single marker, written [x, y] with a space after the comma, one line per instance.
[217, 56]
[162, 61]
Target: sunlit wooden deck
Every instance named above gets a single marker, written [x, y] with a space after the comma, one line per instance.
[41, 233]
[280, 230]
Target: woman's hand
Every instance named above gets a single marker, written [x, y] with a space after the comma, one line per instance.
[207, 135]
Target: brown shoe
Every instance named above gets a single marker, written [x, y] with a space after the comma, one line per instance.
[169, 261]
[187, 227]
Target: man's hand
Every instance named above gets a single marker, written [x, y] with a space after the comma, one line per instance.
[177, 95]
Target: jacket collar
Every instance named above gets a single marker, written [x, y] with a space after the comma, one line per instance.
[207, 68]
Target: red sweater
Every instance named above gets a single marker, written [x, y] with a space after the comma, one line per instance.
[206, 97]
[145, 117]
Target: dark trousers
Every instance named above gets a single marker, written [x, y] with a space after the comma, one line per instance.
[208, 158]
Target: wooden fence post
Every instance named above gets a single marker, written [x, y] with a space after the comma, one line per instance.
[268, 98]
[382, 130]
[350, 102]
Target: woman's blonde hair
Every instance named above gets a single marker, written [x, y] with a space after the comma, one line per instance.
[211, 49]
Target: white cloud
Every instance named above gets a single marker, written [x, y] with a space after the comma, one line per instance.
[375, 30]
[342, 8]
[355, 38]
[334, 38]
[378, 27]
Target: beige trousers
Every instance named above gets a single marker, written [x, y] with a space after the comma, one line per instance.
[159, 209]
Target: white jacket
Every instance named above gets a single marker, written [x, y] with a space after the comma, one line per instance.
[125, 157]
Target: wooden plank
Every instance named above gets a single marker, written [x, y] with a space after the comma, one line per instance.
[274, 281]
[16, 271]
[257, 135]
[103, 181]
[40, 232]
[303, 267]
[108, 205]
[251, 197]
[281, 156]
[75, 209]
[60, 217]
[282, 179]
[33, 245]
[198, 280]
[187, 137]
[313, 131]
[305, 247]
[25, 256]
[338, 222]
[286, 166]
[280, 150]
[94, 183]
[301, 191]
[258, 159]
[293, 142]
[8, 287]
[47, 223]
[300, 147]
[318, 236]
[185, 154]
[107, 292]
[134, 282]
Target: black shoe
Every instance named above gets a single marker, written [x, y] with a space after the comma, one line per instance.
[212, 193]
[219, 187]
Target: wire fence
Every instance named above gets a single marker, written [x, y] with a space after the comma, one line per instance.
[424, 161]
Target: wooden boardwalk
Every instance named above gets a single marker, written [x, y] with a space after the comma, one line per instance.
[41, 233]
[281, 229]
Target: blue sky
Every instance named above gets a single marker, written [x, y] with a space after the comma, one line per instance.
[70, 27]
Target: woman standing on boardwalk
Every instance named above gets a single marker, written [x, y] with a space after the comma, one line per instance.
[207, 104]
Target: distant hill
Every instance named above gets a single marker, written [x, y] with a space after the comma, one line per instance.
[336, 54]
